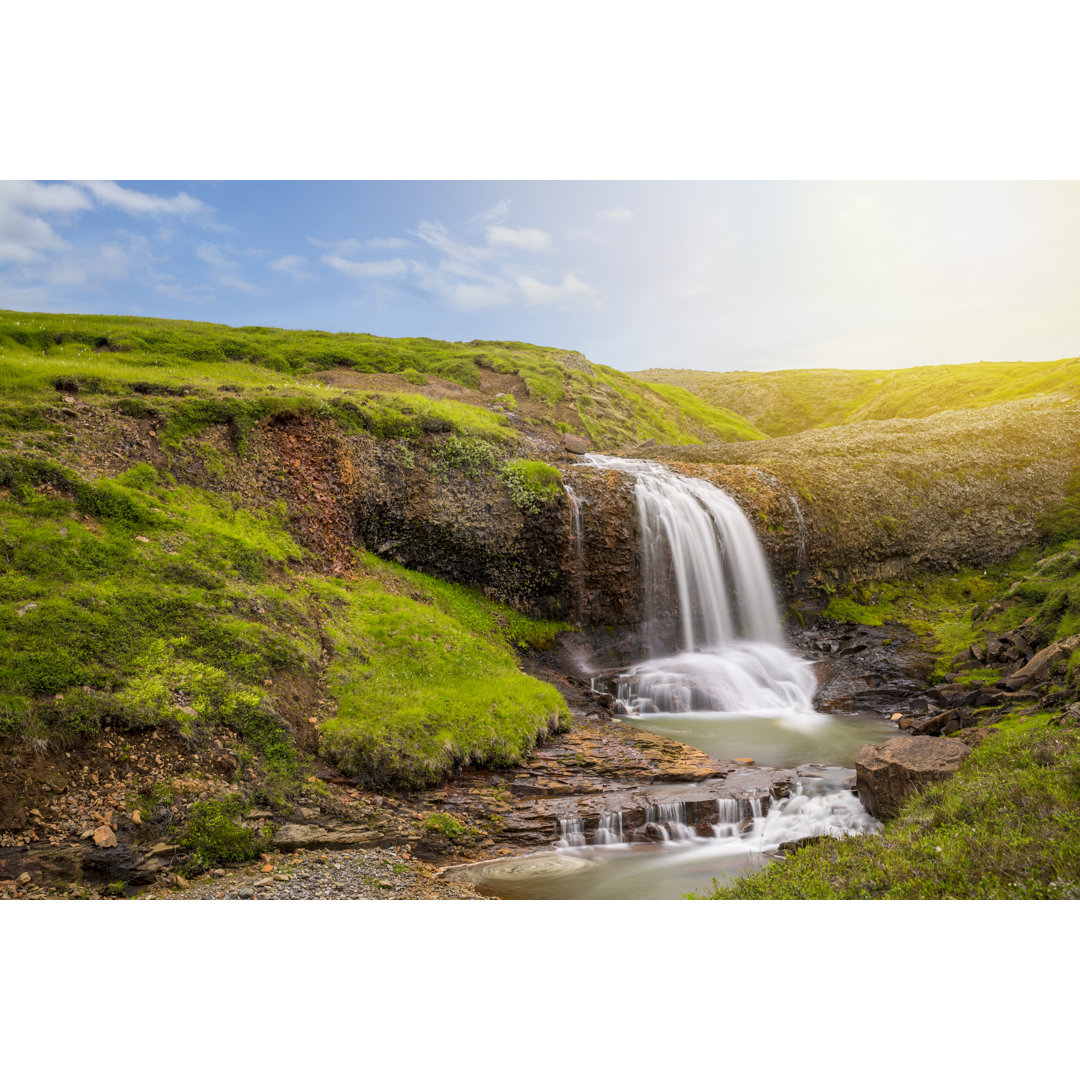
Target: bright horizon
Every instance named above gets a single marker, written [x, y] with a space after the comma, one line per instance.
[709, 276]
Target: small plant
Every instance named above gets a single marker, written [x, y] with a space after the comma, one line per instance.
[214, 833]
[451, 827]
[530, 484]
[473, 457]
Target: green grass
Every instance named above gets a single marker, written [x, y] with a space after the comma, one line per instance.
[149, 604]
[421, 688]
[191, 374]
[1006, 827]
[940, 608]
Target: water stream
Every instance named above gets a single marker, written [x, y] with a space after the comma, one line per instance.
[718, 676]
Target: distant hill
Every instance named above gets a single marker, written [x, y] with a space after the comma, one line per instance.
[786, 402]
[538, 387]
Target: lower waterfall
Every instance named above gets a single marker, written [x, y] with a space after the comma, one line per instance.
[711, 622]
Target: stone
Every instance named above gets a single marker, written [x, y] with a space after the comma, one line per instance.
[1039, 667]
[104, 837]
[575, 443]
[887, 774]
[246, 894]
[25, 608]
[136, 817]
[24, 879]
[259, 883]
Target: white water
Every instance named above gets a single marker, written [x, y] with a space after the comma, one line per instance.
[699, 554]
[683, 860]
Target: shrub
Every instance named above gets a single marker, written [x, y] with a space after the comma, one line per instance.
[214, 833]
[530, 484]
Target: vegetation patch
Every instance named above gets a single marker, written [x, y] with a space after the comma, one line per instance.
[419, 694]
[1006, 827]
[531, 484]
[215, 833]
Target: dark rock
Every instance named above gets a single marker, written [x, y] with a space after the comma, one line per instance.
[888, 774]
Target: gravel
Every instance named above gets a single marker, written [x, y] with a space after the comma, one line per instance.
[364, 874]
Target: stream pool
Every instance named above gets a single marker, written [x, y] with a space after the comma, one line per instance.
[822, 803]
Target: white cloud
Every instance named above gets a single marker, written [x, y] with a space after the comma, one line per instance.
[366, 270]
[351, 246]
[520, 237]
[25, 236]
[438, 236]
[293, 265]
[572, 291]
[492, 214]
[110, 193]
[618, 214]
[386, 243]
[472, 294]
[224, 268]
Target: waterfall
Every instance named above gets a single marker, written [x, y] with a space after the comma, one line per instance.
[701, 557]
[577, 538]
[800, 558]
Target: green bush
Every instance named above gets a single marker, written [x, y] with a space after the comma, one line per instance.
[214, 833]
[530, 484]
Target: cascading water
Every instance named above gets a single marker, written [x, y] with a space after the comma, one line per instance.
[577, 537]
[724, 651]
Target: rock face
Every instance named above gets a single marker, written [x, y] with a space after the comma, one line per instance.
[888, 774]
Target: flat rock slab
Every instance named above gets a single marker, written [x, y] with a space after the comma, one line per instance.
[887, 774]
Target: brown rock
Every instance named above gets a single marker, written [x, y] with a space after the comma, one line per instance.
[1038, 668]
[575, 443]
[888, 774]
[104, 837]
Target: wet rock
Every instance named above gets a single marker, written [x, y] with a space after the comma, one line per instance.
[575, 443]
[886, 775]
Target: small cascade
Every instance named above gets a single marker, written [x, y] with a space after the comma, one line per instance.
[610, 828]
[571, 833]
[707, 592]
[800, 557]
[577, 539]
[669, 821]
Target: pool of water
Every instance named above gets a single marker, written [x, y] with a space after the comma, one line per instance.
[783, 740]
[819, 805]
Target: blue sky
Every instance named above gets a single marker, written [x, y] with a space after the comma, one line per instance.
[708, 275]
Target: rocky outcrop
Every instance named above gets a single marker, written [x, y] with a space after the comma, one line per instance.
[888, 774]
[1039, 668]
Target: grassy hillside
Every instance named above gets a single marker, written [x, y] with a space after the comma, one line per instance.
[476, 386]
[786, 402]
[140, 603]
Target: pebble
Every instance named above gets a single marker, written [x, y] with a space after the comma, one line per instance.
[356, 874]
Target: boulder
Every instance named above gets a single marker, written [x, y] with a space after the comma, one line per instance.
[889, 773]
[1038, 668]
[575, 443]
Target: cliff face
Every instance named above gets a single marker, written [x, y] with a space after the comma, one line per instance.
[868, 501]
